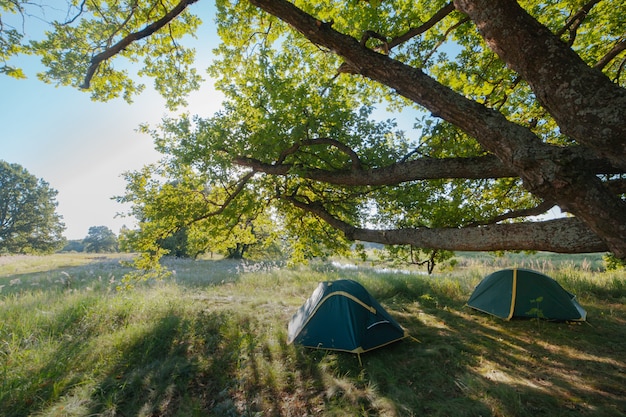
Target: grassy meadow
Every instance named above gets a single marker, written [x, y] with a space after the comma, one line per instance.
[211, 341]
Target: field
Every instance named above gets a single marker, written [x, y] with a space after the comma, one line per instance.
[211, 341]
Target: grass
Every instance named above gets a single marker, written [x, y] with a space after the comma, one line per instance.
[211, 341]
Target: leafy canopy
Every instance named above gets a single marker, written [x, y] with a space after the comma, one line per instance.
[100, 239]
[300, 143]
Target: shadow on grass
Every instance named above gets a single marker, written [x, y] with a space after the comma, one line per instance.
[180, 367]
[217, 364]
[175, 366]
[472, 364]
[232, 360]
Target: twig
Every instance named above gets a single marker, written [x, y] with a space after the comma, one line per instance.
[133, 37]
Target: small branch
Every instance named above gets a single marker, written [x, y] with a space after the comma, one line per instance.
[354, 157]
[576, 20]
[80, 12]
[121, 25]
[533, 211]
[618, 48]
[413, 32]
[231, 196]
[413, 152]
[370, 34]
[133, 37]
[445, 36]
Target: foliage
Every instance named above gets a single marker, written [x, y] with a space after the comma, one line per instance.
[212, 342]
[195, 214]
[536, 310]
[612, 263]
[68, 51]
[10, 38]
[416, 256]
[100, 239]
[28, 219]
[74, 246]
[299, 161]
[177, 244]
[286, 107]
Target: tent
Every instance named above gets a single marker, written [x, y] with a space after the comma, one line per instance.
[342, 315]
[524, 293]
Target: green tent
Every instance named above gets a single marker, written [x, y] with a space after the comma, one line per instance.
[524, 293]
[342, 315]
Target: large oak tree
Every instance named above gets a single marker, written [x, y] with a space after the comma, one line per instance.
[523, 108]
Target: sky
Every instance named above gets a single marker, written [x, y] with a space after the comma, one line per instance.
[81, 147]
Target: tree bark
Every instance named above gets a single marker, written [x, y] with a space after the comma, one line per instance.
[566, 235]
[420, 169]
[586, 105]
[480, 167]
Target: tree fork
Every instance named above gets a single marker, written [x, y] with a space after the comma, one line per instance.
[574, 93]
[133, 37]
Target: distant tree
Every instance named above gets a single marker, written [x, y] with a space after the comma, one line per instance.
[74, 246]
[100, 239]
[28, 219]
[178, 244]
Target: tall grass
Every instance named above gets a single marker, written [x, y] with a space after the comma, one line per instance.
[211, 341]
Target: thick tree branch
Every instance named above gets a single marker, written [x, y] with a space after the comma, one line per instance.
[420, 169]
[617, 186]
[567, 235]
[133, 37]
[574, 94]
[479, 167]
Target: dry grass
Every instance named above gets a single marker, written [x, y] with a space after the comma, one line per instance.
[211, 341]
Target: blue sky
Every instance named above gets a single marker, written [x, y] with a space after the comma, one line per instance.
[81, 147]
